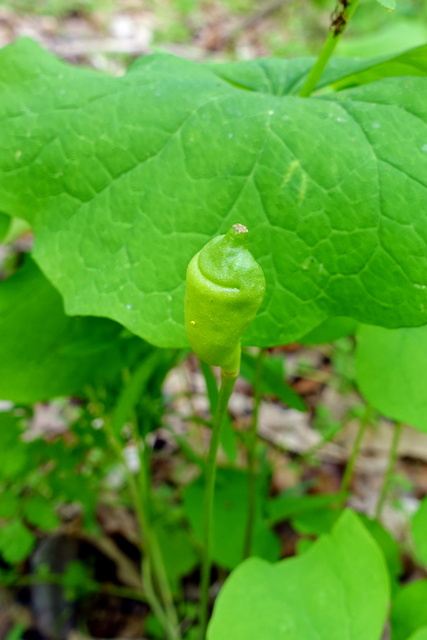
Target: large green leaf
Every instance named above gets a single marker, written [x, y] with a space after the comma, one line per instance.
[390, 370]
[124, 179]
[337, 590]
[43, 352]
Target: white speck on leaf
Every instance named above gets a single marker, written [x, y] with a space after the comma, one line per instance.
[424, 148]
[376, 125]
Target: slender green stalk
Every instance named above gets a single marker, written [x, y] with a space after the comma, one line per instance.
[349, 470]
[392, 459]
[227, 384]
[147, 564]
[252, 441]
[341, 17]
[156, 557]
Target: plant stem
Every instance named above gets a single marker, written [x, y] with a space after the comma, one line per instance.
[59, 579]
[156, 557]
[147, 570]
[340, 20]
[348, 473]
[252, 441]
[392, 458]
[227, 384]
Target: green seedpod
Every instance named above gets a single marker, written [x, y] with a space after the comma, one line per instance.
[225, 288]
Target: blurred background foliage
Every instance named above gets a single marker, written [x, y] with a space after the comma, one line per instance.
[235, 29]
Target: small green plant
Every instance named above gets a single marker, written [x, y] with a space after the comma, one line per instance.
[125, 182]
[225, 288]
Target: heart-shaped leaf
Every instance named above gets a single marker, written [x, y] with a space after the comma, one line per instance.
[124, 179]
[336, 590]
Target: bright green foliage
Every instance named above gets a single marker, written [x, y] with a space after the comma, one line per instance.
[143, 391]
[224, 289]
[36, 477]
[272, 379]
[409, 611]
[419, 532]
[77, 581]
[337, 589]
[16, 541]
[391, 365]
[40, 512]
[316, 514]
[43, 352]
[386, 543]
[230, 514]
[125, 179]
[9, 505]
[421, 634]
[14, 456]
